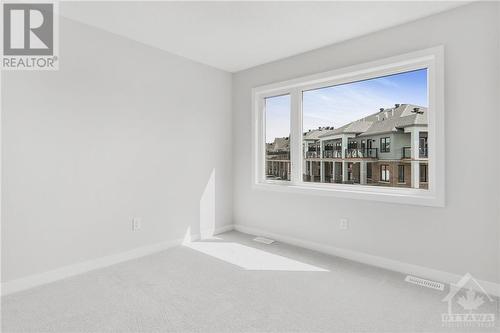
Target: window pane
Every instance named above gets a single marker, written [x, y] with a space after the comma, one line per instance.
[423, 173]
[360, 132]
[384, 173]
[385, 145]
[401, 173]
[277, 117]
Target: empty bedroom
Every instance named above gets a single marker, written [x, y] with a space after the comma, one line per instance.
[241, 166]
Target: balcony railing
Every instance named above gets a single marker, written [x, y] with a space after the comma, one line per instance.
[422, 152]
[332, 153]
[278, 155]
[361, 153]
[312, 154]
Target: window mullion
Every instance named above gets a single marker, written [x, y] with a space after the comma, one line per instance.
[261, 140]
[296, 135]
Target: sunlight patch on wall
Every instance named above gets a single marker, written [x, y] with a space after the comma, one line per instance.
[207, 208]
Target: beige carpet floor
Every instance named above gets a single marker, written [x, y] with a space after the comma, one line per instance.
[231, 284]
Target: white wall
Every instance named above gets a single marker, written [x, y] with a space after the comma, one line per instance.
[121, 130]
[463, 236]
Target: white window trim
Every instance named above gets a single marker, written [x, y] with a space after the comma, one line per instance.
[432, 59]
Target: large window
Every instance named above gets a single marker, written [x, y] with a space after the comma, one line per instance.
[331, 130]
[383, 109]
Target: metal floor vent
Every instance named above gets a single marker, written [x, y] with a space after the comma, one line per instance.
[424, 282]
[263, 240]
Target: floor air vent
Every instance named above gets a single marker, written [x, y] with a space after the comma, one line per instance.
[263, 240]
[424, 282]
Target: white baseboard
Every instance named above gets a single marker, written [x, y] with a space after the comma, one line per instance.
[193, 238]
[209, 233]
[75, 269]
[491, 288]
[32, 281]
[394, 265]
[224, 228]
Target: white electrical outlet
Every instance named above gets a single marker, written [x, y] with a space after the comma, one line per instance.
[344, 224]
[136, 224]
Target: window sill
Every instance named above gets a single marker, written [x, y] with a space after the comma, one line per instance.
[419, 197]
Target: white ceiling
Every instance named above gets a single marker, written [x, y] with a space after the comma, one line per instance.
[237, 35]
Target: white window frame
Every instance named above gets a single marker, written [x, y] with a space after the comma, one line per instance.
[432, 59]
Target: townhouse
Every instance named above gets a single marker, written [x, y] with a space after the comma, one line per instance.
[386, 148]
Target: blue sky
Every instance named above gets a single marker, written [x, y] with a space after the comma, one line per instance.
[339, 105]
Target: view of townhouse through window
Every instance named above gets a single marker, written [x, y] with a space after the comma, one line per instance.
[277, 131]
[371, 132]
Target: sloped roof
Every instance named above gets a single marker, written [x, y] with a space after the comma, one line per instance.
[314, 134]
[279, 144]
[388, 120]
[391, 120]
